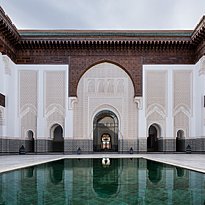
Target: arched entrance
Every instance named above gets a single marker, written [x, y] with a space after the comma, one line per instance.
[58, 140]
[30, 142]
[153, 137]
[180, 141]
[105, 132]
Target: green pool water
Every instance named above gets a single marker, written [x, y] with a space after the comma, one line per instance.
[89, 182]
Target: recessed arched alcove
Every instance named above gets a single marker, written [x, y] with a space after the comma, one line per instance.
[30, 143]
[105, 132]
[57, 138]
[154, 133]
[180, 141]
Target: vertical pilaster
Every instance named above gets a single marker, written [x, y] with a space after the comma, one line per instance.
[170, 135]
[40, 140]
[142, 136]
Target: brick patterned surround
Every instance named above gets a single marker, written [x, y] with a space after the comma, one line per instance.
[81, 59]
[83, 49]
[2, 100]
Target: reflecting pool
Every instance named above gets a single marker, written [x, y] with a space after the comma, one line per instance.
[102, 181]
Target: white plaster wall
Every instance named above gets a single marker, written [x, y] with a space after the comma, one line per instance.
[169, 108]
[42, 98]
[2, 109]
[8, 87]
[105, 87]
[198, 120]
[2, 74]
[86, 105]
[27, 101]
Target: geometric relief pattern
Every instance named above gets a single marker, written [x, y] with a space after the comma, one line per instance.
[202, 66]
[110, 88]
[181, 122]
[182, 89]
[28, 101]
[55, 88]
[182, 107]
[156, 89]
[55, 98]
[7, 68]
[91, 86]
[55, 118]
[28, 89]
[157, 116]
[156, 99]
[101, 86]
[105, 86]
[2, 120]
[120, 86]
[28, 122]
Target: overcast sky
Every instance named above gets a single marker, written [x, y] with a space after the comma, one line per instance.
[104, 14]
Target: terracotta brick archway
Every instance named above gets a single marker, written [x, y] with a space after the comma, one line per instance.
[79, 65]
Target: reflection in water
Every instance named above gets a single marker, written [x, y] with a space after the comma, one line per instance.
[105, 179]
[154, 171]
[86, 181]
[105, 162]
[30, 171]
[56, 173]
[180, 171]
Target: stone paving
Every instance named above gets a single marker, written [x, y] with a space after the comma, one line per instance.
[190, 161]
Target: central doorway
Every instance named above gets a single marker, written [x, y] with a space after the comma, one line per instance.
[105, 132]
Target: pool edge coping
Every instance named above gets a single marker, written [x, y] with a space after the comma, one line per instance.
[43, 161]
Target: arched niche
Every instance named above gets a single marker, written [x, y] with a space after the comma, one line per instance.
[154, 133]
[180, 141]
[30, 143]
[57, 144]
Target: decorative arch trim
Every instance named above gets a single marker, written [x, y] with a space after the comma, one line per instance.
[182, 131]
[101, 108]
[156, 108]
[158, 128]
[184, 109]
[53, 127]
[109, 62]
[28, 108]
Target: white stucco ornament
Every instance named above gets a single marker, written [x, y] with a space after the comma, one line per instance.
[139, 102]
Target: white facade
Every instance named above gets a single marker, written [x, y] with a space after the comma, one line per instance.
[37, 100]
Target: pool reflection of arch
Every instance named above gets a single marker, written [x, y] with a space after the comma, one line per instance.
[154, 171]
[106, 178]
[57, 172]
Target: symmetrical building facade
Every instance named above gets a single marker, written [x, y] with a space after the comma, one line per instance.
[101, 91]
